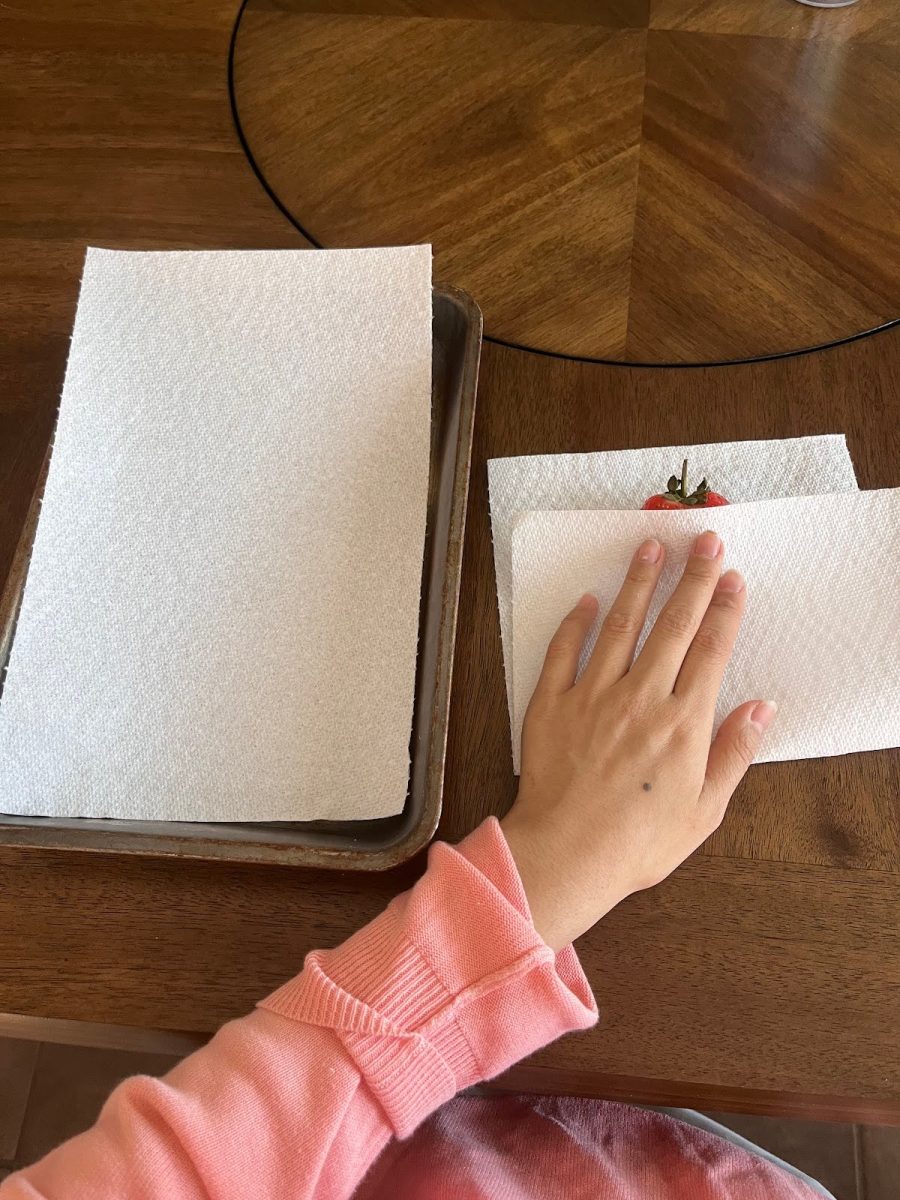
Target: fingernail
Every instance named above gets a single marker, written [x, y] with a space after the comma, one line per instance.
[649, 551]
[763, 714]
[588, 600]
[731, 581]
[708, 545]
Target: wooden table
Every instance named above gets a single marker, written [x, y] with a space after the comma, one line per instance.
[764, 975]
[642, 180]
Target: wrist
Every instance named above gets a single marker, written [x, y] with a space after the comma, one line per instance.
[561, 907]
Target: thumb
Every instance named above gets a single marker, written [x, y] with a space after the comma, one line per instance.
[734, 748]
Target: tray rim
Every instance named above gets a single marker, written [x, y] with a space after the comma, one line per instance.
[105, 835]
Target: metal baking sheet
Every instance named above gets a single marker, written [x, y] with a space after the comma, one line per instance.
[347, 845]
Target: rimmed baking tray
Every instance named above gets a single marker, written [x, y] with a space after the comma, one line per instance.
[347, 845]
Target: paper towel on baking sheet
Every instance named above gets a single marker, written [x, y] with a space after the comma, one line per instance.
[821, 634]
[221, 612]
[625, 478]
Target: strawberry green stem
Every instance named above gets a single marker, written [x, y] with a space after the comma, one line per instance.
[682, 490]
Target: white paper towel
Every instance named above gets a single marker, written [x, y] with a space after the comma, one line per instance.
[821, 634]
[221, 612]
[625, 478]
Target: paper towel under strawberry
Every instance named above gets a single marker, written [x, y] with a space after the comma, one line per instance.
[611, 479]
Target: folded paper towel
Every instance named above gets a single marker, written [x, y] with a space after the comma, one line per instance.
[821, 634]
[625, 478]
[221, 611]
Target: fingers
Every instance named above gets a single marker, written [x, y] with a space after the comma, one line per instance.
[670, 638]
[564, 651]
[701, 674]
[624, 622]
[733, 750]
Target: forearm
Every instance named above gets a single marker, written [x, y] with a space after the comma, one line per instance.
[270, 1108]
[450, 985]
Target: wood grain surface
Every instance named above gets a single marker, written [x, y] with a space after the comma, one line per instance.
[876, 20]
[763, 976]
[650, 182]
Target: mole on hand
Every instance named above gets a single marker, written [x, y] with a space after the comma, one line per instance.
[648, 787]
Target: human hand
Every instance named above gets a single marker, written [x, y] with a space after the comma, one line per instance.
[619, 782]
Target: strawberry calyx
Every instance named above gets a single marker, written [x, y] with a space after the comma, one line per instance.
[676, 490]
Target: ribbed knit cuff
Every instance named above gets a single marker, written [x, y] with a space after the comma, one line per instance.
[449, 985]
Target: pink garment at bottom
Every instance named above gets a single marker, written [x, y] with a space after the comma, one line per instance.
[568, 1148]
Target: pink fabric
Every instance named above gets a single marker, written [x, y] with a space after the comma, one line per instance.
[449, 986]
[555, 1147]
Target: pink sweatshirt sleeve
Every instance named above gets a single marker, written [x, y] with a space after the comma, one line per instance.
[448, 986]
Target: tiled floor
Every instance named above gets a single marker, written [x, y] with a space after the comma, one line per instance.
[48, 1093]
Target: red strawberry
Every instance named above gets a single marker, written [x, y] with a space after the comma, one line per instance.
[676, 494]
